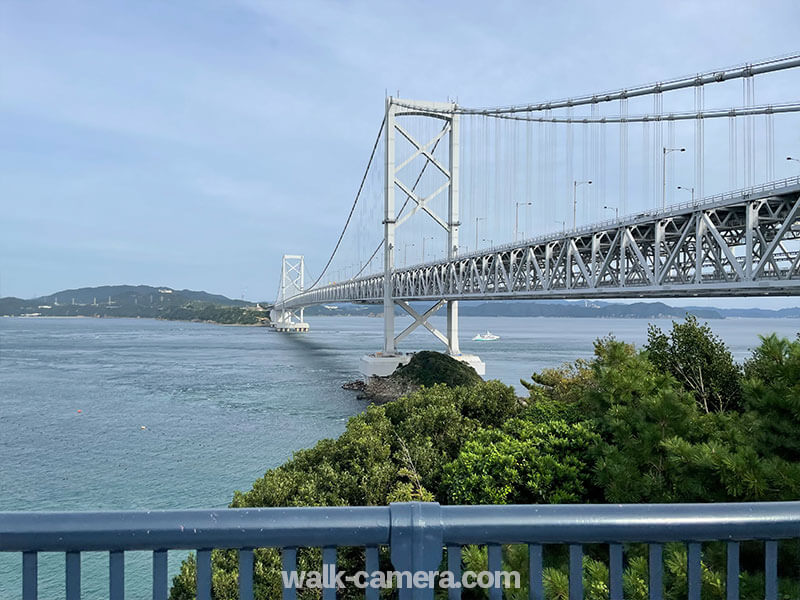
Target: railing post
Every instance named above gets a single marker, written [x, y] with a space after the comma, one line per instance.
[416, 539]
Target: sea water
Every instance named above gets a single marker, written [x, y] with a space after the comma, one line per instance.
[103, 414]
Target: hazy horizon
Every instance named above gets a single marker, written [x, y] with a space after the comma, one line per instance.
[767, 303]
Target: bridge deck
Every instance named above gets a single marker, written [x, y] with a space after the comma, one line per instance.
[744, 243]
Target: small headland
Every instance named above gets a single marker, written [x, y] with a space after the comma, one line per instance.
[426, 368]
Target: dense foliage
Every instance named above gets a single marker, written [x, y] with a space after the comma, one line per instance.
[700, 361]
[213, 313]
[429, 368]
[678, 421]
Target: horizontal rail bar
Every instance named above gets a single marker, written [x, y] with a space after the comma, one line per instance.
[606, 523]
[190, 529]
[371, 526]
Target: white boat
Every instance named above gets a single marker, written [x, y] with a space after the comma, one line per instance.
[485, 337]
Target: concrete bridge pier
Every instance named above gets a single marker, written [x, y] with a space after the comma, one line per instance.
[288, 321]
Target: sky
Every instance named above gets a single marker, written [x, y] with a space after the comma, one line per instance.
[192, 143]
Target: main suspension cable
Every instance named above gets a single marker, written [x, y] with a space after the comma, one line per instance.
[352, 208]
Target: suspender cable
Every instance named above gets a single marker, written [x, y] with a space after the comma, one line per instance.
[670, 182]
[658, 143]
[646, 198]
[769, 127]
[623, 157]
[603, 174]
[732, 153]
[566, 190]
[699, 141]
[592, 192]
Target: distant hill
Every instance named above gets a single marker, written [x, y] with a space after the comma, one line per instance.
[134, 301]
[123, 293]
[168, 303]
[760, 313]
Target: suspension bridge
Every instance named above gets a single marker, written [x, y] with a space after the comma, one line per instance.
[597, 196]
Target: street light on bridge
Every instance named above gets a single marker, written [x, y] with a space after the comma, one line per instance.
[664, 173]
[516, 217]
[575, 185]
[794, 159]
[405, 253]
[689, 189]
[615, 209]
[423, 245]
[476, 229]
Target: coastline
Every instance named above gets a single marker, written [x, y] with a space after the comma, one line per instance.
[148, 318]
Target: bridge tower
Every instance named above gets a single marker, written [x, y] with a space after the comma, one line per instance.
[384, 363]
[286, 319]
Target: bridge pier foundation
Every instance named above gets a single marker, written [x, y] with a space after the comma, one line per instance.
[291, 327]
[289, 321]
[383, 365]
[474, 361]
[380, 364]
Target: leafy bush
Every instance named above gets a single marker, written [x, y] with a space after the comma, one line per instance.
[523, 463]
[429, 368]
[700, 361]
[772, 389]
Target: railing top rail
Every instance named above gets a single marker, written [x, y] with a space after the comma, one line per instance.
[372, 526]
[189, 529]
[604, 523]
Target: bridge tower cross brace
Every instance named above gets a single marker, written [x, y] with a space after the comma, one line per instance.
[393, 182]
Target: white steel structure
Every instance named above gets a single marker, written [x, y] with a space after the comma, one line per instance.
[449, 223]
[282, 316]
[386, 361]
[744, 243]
[741, 243]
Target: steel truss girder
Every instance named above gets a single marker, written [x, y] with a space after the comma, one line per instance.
[740, 246]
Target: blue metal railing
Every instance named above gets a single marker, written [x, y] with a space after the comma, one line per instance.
[416, 533]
